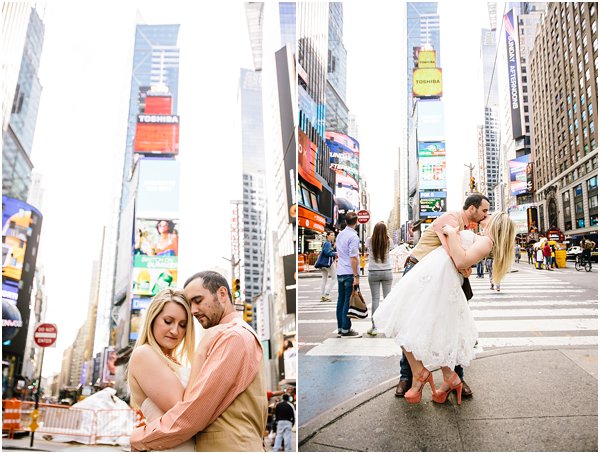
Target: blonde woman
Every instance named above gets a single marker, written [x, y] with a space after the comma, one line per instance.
[157, 373]
[427, 313]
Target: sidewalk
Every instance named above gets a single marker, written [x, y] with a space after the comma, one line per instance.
[524, 400]
[39, 444]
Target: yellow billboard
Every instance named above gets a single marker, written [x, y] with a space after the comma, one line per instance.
[427, 82]
[426, 59]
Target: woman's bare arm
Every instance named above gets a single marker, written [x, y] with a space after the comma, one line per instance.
[156, 380]
[466, 258]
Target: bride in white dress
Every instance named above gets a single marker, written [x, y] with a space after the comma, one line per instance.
[157, 376]
[427, 313]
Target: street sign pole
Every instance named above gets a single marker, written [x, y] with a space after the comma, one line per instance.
[35, 413]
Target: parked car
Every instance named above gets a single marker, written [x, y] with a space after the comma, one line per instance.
[573, 252]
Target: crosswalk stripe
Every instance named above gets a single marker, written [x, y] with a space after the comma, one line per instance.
[534, 312]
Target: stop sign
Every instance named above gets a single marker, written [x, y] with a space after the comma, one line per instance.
[363, 216]
[45, 334]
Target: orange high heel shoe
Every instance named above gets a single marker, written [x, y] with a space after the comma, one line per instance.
[414, 397]
[441, 396]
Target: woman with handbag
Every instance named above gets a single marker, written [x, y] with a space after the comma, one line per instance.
[380, 268]
[427, 312]
[326, 262]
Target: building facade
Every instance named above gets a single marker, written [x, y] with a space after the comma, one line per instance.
[564, 82]
[20, 121]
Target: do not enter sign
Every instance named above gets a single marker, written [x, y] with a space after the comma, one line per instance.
[363, 216]
[45, 334]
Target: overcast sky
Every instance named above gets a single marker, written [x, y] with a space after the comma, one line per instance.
[80, 138]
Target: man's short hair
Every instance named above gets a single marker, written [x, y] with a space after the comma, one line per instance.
[351, 218]
[212, 281]
[474, 200]
[286, 397]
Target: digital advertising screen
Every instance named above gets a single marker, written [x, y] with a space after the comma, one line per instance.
[518, 175]
[346, 187]
[21, 229]
[157, 134]
[158, 189]
[307, 156]
[109, 369]
[430, 124]
[344, 153]
[432, 165]
[432, 204]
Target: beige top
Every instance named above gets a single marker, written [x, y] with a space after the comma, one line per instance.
[430, 240]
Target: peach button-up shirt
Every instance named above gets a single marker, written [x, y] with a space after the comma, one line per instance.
[231, 365]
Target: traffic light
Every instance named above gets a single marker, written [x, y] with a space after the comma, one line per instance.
[472, 184]
[248, 314]
[235, 289]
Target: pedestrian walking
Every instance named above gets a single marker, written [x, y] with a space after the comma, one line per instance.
[380, 268]
[530, 259]
[539, 258]
[489, 263]
[517, 253]
[475, 210]
[547, 253]
[428, 315]
[363, 261]
[284, 418]
[328, 272]
[554, 262]
[347, 274]
[480, 265]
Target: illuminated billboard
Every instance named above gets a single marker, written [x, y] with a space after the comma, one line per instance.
[156, 251]
[519, 182]
[157, 134]
[512, 55]
[346, 187]
[109, 368]
[344, 153]
[430, 123]
[307, 156]
[21, 227]
[158, 104]
[158, 189]
[432, 165]
[427, 82]
[432, 204]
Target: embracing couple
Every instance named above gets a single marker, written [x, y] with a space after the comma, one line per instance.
[217, 404]
[427, 313]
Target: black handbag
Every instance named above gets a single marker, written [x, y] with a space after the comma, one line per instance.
[358, 307]
[466, 288]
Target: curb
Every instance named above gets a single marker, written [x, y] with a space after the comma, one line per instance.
[312, 427]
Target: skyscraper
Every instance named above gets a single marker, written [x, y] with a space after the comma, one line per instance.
[491, 133]
[336, 112]
[564, 100]
[18, 129]
[422, 30]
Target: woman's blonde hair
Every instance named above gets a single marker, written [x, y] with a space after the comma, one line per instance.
[380, 242]
[501, 229]
[185, 350]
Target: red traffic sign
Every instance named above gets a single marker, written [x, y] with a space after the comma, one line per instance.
[45, 334]
[363, 216]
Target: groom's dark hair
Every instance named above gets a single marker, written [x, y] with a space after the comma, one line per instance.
[212, 281]
[474, 200]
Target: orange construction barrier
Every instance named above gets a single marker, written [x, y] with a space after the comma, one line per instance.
[11, 416]
[301, 264]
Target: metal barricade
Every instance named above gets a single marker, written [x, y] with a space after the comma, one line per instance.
[63, 423]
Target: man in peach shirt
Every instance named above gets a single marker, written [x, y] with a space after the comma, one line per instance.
[226, 406]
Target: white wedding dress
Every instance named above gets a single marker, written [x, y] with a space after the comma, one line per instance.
[428, 314]
[152, 412]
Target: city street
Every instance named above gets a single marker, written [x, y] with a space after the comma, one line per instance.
[535, 310]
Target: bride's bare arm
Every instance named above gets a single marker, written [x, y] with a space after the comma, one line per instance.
[466, 258]
[155, 378]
